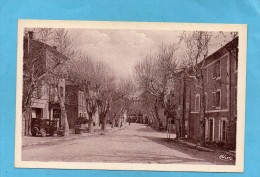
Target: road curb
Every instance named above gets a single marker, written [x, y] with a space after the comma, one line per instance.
[71, 138]
[195, 146]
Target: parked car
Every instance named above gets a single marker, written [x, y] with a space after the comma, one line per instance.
[44, 127]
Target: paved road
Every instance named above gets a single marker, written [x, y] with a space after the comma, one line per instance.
[134, 144]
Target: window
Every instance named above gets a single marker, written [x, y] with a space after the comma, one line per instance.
[51, 93]
[56, 113]
[209, 127]
[205, 76]
[36, 113]
[37, 92]
[83, 100]
[197, 102]
[80, 98]
[67, 100]
[216, 99]
[61, 90]
[216, 71]
[206, 101]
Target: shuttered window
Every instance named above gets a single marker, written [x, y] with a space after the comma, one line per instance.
[197, 102]
[216, 71]
[216, 99]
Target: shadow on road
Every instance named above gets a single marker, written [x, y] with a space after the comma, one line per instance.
[146, 157]
[146, 129]
[212, 157]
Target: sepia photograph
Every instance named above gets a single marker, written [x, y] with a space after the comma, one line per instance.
[130, 96]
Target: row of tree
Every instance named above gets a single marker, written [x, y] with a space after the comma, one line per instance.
[100, 85]
[101, 88]
[156, 74]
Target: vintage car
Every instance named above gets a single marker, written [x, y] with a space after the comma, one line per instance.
[44, 127]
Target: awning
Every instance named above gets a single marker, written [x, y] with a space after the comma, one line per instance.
[39, 103]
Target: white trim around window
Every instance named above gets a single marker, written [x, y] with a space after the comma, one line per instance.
[220, 131]
[197, 110]
[214, 103]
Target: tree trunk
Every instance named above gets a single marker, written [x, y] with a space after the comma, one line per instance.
[177, 128]
[157, 116]
[64, 119]
[202, 116]
[26, 121]
[103, 123]
[113, 123]
[154, 118]
[90, 124]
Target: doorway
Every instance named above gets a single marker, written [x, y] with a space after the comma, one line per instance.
[57, 116]
[211, 129]
[36, 113]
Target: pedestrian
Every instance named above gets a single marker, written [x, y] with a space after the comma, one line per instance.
[129, 121]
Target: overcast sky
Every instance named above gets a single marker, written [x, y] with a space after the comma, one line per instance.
[123, 48]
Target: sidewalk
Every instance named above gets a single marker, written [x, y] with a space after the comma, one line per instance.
[200, 148]
[38, 140]
[195, 146]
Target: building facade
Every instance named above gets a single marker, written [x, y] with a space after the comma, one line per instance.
[220, 86]
[38, 59]
[76, 107]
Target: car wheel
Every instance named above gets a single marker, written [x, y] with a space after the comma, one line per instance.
[60, 133]
[43, 132]
[34, 131]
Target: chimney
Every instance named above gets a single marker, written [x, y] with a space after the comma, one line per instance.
[30, 34]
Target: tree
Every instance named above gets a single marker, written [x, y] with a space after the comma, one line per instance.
[100, 86]
[111, 93]
[197, 47]
[154, 72]
[34, 72]
[148, 103]
[82, 72]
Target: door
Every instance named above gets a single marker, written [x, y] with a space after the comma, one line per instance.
[211, 130]
[36, 113]
[57, 116]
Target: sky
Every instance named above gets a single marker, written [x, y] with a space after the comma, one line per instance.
[122, 49]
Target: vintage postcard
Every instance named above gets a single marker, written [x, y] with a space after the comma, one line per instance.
[130, 96]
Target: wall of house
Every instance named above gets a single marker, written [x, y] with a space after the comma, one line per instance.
[227, 85]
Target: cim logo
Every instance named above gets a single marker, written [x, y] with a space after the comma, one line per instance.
[225, 157]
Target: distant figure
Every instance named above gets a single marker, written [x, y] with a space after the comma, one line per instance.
[129, 121]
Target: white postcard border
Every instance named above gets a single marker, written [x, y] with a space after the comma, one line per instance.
[241, 28]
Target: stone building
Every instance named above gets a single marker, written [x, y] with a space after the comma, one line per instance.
[220, 78]
[76, 106]
[38, 60]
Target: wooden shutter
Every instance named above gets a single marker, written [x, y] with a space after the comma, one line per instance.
[214, 99]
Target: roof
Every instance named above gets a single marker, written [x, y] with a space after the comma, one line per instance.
[48, 47]
[217, 54]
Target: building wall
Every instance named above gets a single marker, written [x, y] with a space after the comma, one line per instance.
[227, 85]
[76, 106]
[39, 56]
